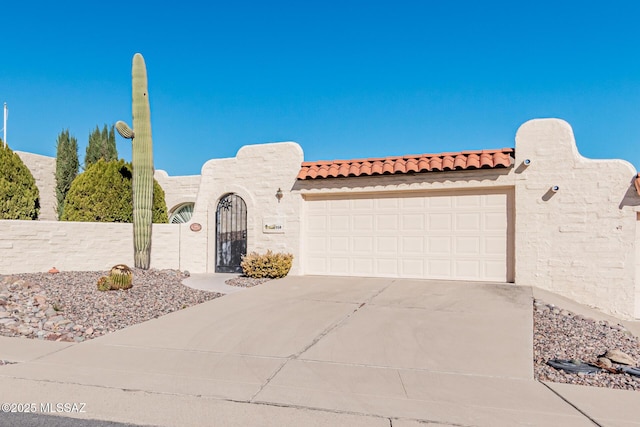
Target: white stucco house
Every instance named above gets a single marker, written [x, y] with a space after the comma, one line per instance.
[536, 213]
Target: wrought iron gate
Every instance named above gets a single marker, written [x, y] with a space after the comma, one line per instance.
[231, 234]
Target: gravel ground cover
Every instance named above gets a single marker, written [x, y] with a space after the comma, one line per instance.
[68, 307]
[245, 282]
[561, 334]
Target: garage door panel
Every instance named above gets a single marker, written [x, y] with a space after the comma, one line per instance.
[363, 223]
[446, 236]
[494, 270]
[317, 244]
[366, 205]
[363, 244]
[317, 265]
[387, 203]
[494, 221]
[339, 223]
[440, 203]
[413, 203]
[387, 223]
[467, 269]
[467, 245]
[339, 204]
[412, 222]
[387, 267]
[317, 223]
[412, 245]
[339, 244]
[439, 268]
[469, 221]
[495, 245]
[440, 222]
[339, 265]
[387, 245]
[439, 245]
[498, 201]
[469, 201]
[412, 267]
[362, 266]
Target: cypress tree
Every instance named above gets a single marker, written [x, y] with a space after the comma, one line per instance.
[102, 145]
[19, 195]
[67, 165]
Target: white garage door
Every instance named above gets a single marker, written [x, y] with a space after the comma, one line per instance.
[444, 236]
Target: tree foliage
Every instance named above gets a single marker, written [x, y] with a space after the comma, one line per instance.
[103, 193]
[19, 195]
[102, 145]
[67, 165]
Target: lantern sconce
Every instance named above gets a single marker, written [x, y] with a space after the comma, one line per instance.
[279, 194]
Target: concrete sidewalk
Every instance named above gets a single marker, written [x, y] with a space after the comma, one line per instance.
[319, 351]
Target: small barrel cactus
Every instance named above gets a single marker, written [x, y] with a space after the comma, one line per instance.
[103, 284]
[120, 277]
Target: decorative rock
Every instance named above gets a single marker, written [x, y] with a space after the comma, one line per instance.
[619, 356]
[54, 271]
[604, 362]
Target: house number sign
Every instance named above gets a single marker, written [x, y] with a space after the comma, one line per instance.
[273, 225]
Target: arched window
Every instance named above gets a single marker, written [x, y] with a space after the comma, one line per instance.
[182, 213]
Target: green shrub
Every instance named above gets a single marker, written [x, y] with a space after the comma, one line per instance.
[19, 195]
[103, 193]
[271, 265]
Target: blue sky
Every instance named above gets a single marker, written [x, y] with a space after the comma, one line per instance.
[344, 79]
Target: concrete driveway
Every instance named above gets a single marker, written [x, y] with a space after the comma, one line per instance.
[318, 351]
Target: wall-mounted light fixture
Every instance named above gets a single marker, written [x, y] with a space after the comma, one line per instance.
[555, 188]
[279, 194]
[527, 162]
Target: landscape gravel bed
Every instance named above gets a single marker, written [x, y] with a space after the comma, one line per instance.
[67, 306]
[561, 334]
[246, 282]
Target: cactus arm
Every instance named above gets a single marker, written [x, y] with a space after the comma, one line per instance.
[124, 130]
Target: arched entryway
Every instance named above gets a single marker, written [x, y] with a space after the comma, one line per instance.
[231, 233]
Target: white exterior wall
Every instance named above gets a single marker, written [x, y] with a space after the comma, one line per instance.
[255, 174]
[43, 169]
[36, 246]
[579, 242]
[178, 189]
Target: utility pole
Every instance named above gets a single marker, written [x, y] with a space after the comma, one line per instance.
[4, 128]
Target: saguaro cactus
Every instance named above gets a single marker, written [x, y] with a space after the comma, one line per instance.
[142, 159]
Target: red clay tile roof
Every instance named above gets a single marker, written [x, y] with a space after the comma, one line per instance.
[480, 159]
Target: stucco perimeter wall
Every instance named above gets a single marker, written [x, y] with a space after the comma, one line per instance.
[178, 189]
[43, 169]
[579, 241]
[255, 174]
[36, 246]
